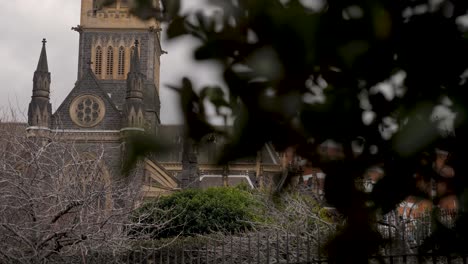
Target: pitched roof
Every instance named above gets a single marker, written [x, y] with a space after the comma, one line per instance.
[209, 151]
[89, 82]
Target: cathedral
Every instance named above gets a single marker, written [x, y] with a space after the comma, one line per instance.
[116, 93]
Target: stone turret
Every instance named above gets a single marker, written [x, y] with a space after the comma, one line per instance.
[40, 109]
[133, 114]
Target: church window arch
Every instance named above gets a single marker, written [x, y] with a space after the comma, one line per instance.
[91, 179]
[98, 61]
[110, 62]
[121, 62]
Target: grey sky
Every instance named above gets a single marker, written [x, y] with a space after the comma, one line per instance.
[23, 24]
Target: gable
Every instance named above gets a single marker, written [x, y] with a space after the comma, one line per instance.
[158, 181]
[67, 114]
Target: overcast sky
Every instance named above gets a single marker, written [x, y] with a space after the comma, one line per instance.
[23, 24]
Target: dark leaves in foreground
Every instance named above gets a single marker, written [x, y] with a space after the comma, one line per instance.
[299, 75]
[139, 145]
[193, 109]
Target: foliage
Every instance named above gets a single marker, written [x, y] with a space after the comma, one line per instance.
[196, 211]
[368, 73]
[228, 210]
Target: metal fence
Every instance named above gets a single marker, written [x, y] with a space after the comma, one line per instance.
[207, 255]
[409, 232]
[262, 247]
[286, 247]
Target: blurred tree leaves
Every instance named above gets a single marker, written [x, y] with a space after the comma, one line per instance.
[298, 76]
[139, 145]
[193, 110]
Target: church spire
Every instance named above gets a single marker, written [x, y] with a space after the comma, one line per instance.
[41, 79]
[42, 65]
[135, 79]
[135, 61]
[40, 109]
[134, 110]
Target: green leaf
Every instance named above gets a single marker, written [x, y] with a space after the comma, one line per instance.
[140, 145]
[177, 28]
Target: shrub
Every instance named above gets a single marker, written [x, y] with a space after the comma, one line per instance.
[189, 212]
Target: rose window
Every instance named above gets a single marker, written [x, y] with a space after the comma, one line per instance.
[87, 110]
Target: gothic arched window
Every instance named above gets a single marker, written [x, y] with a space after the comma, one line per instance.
[121, 67]
[110, 62]
[90, 180]
[98, 61]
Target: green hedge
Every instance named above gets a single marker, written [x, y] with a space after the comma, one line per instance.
[190, 212]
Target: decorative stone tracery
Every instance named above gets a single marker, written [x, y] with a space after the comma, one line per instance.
[87, 110]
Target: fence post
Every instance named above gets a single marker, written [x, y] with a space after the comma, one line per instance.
[222, 250]
[168, 255]
[389, 228]
[298, 245]
[198, 255]
[401, 238]
[206, 252]
[215, 244]
[318, 245]
[258, 248]
[232, 252]
[250, 254]
[183, 253]
[268, 248]
[287, 247]
[277, 247]
[191, 254]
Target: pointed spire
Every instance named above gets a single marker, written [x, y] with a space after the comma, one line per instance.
[135, 62]
[40, 109]
[42, 65]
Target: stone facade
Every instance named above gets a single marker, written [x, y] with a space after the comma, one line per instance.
[105, 104]
[117, 91]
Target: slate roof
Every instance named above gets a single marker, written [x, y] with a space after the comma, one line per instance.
[206, 154]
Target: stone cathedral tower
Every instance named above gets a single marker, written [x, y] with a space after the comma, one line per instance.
[117, 91]
[107, 38]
